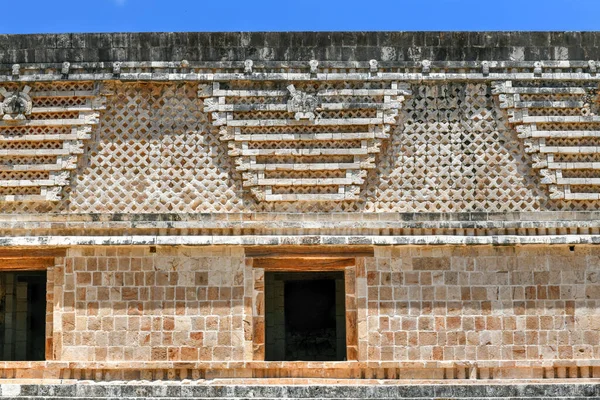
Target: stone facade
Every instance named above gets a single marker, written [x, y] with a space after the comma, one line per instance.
[450, 180]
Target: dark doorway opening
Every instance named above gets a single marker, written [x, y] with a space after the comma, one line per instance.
[305, 316]
[23, 316]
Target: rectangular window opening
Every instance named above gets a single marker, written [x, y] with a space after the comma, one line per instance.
[22, 316]
[305, 316]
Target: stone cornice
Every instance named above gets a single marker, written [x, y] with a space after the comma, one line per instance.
[287, 46]
[301, 229]
[371, 70]
[293, 240]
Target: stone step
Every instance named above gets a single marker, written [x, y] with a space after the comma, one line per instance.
[304, 181]
[303, 166]
[63, 93]
[544, 90]
[310, 197]
[565, 134]
[168, 391]
[314, 152]
[292, 398]
[284, 107]
[35, 167]
[306, 137]
[549, 104]
[318, 122]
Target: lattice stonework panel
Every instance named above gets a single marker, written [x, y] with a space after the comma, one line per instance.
[306, 141]
[42, 133]
[560, 124]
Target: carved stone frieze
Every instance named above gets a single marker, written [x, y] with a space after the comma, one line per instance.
[305, 131]
[559, 125]
[42, 132]
[307, 140]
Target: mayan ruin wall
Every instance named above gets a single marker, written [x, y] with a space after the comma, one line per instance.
[373, 206]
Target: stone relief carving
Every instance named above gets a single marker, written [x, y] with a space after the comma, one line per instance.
[16, 105]
[42, 133]
[309, 132]
[304, 140]
[560, 127]
[303, 104]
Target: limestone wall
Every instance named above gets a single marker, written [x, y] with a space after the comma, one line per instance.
[128, 305]
[450, 305]
[482, 303]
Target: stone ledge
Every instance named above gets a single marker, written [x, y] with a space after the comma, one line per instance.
[464, 217]
[442, 72]
[298, 240]
[290, 364]
[304, 391]
[296, 364]
[181, 370]
[335, 228]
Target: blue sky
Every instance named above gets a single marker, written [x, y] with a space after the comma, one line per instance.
[43, 16]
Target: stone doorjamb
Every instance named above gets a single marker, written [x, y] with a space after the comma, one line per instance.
[254, 301]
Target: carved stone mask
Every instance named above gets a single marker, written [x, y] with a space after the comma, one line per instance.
[303, 104]
[17, 105]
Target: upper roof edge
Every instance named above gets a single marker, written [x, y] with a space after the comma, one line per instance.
[300, 46]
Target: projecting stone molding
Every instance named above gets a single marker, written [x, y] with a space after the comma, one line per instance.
[43, 128]
[307, 140]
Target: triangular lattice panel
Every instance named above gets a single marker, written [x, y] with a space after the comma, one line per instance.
[307, 141]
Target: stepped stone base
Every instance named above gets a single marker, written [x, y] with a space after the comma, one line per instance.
[351, 390]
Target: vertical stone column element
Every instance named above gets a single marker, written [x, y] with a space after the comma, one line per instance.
[43, 129]
[50, 310]
[351, 314]
[295, 139]
[559, 123]
[58, 277]
[248, 310]
[258, 315]
[361, 307]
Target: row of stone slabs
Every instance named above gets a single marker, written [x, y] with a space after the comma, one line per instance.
[359, 391]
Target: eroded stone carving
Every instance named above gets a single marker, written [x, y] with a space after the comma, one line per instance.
[302, 104]
[248, 66]
[373, 66]
[305, 140]
[117, 68]
[485, 68]
[537, 68]
[66, 66]
[560, 127]
[42, 132]
[426, 64]
[16, 105]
